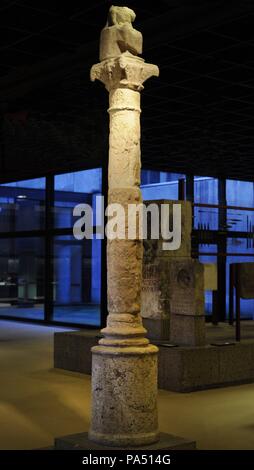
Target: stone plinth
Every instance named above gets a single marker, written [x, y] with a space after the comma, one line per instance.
[182, 368]
[158, 266]
[172, 304]
[81, 441]
[188, 330]
[128, 378]
[72, 350]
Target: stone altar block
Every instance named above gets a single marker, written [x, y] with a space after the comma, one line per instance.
[172, 298]
[154, 248]
[187, 303]
[173, 289]
[156, 285]
[155, 299]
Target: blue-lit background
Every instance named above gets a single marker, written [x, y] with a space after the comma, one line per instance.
[77, 264]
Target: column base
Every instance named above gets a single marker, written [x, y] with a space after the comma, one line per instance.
[124, 395]
[124, 440]
[81, 441]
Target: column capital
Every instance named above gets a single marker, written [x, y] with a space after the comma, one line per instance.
[123, 71]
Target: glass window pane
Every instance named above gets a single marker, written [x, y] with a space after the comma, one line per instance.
[72, 189]
[159, 185]
[22, 205]
[205, 192]
[241, 194]
[240, 221]
[77, 280]
[22, 277]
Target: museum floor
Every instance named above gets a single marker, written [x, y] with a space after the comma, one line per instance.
[38, 403]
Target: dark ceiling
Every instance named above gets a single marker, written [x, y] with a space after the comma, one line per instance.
[198, 116]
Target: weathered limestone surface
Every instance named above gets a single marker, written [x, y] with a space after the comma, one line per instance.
[173, 295]
[157, 273]
[187, 284]
[187, 325]
[125, 274]
[180, 283]
[127, 197]
[124, 364]
[173, 286]
[119, 36]
[155, 247]
[156, 289]
[128, 412]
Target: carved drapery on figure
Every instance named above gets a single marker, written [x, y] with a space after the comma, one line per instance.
[119, 36]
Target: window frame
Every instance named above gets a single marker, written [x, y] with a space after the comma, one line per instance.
[48, 234]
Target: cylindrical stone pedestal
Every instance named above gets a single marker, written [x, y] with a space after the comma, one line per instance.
[124, 390]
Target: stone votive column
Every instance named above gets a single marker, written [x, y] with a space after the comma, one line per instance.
[124, 364]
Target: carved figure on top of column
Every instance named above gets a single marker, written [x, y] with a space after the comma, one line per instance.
[119, 36]
[120, 45]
